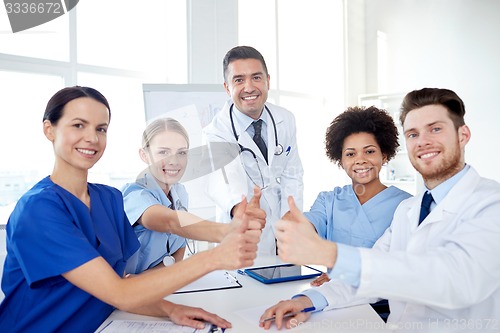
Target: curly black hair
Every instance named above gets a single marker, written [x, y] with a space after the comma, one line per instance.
[357, 120]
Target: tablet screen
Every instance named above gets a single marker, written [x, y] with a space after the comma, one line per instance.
[285, 271]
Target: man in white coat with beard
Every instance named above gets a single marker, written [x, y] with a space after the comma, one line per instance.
[440, 271]
[268, 160]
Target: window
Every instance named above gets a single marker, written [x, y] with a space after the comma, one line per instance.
[27, 155]
[103, 44]
[302, 43]
[117, 45]
[311, 59]
[124, 34]
[46, 41]
[120, 163]
[262, 36]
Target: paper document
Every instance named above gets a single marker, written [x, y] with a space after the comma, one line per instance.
[139, 326]
[359, 319]
[212, 281]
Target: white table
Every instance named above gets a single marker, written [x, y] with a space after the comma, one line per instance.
[239, 304]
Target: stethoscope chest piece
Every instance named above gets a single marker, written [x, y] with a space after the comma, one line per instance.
[278, 150]
[168, 260]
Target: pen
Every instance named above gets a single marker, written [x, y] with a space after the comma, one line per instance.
[290, 314]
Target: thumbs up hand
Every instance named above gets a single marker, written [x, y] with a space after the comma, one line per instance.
[298, 241]
[238, 249]
[256, 215]
[253, 210]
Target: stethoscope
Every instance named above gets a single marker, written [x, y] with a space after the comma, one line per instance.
[169, 260]
[279, 148]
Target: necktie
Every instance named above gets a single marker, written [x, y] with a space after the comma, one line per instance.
[425, 207]
[257, 138]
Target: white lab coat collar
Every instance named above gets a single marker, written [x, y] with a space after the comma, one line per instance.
[242, 121]
[451, 204]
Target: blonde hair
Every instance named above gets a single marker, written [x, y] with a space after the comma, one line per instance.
[161, 125]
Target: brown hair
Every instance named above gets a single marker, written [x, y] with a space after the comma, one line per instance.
[434, 96]
[56, 104]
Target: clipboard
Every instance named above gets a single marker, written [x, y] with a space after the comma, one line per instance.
[216, 280]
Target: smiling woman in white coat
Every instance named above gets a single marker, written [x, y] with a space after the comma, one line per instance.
[268, 160]
[440, 271]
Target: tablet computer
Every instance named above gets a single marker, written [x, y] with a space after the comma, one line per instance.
[282, 273]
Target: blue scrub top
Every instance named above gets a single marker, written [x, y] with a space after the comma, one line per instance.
[51, 232]
[138, 197]
[339, 217]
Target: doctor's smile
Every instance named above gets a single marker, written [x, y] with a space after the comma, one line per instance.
[86, 151]
[171, 172]
[250, 98]
[428, 156]
[253, 101]
[362, 172]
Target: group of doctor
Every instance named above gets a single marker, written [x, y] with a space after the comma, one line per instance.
[437, 269]
[436, 263]
[72, 253]
[356, 214]
[359, 140]
[432, 256]
[81, 259]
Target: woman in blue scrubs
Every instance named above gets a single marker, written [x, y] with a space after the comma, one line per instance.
[360, 141]
[68, 240]
[156, 203]
[154, 199]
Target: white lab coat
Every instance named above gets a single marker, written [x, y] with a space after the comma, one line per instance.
[445, 273]
[283, 176]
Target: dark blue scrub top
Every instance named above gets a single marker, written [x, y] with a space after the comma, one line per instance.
[51, 232]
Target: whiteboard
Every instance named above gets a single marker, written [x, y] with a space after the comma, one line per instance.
[194, 106]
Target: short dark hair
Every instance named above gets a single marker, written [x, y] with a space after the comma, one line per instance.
[241, 52]
[362, 120]
[55, 106]
[434, 96]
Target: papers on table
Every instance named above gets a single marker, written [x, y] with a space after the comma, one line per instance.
[140, 326]
[359, 318]
[215, 280]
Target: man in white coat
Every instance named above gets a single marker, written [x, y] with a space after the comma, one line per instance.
[440, 274]
[268, 160]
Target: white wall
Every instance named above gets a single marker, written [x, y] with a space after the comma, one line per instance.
[452, 44]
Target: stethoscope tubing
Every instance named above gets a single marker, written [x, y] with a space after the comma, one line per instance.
[279, 148]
